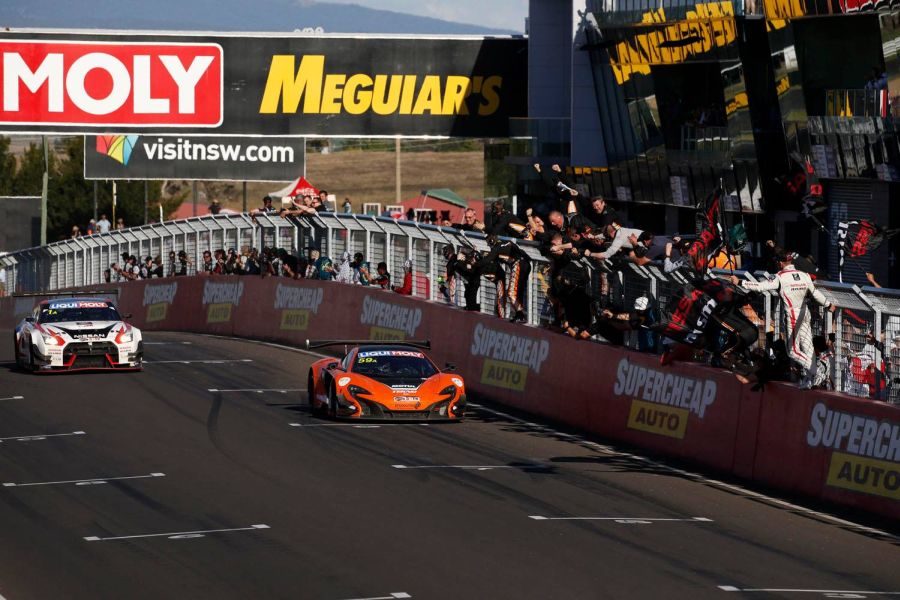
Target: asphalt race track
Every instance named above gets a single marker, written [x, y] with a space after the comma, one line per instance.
[205, 476]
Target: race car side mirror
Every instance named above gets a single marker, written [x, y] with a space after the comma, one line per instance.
[29, 319]
[333, 365]
[126, 316]
[449, 368]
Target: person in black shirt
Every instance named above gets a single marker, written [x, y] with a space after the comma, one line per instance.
[289, 264]
[516, 267]
[470, 222]
[382, 278]
[158, 270]
[504, 222]
[465, 264]
[181, 267]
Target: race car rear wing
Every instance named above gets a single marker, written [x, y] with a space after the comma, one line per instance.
[311, 344]
[114, 292]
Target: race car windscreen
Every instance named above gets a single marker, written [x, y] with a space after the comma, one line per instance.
[386, 364]
[59, 312]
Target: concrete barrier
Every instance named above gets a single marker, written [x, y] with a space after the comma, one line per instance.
[823, 445]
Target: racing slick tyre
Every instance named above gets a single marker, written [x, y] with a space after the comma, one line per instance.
[311, 393]
[16, 353]
[31, 365]
[332, 403]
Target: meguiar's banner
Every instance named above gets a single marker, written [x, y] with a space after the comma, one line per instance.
[102, 82]
[135, 156]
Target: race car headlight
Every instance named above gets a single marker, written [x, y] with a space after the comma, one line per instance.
[52, 340]
[448, 392]
[125, 337]
[355, 391]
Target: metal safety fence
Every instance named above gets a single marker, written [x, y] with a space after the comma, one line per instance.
[864, 359]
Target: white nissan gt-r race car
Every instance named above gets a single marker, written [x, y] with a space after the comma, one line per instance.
[76, 334]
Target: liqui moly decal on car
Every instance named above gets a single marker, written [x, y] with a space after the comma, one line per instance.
[119, 84]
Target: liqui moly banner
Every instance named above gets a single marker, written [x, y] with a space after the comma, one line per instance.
[111, 83]
[98, 83]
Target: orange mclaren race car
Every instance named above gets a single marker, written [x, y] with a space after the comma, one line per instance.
[390, 380]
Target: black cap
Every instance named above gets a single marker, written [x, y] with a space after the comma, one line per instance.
[645, 237]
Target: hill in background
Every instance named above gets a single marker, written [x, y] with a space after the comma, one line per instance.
[224, 15]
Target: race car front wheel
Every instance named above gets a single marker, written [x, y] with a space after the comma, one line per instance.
[16, 351]
[332, 403]
[311, 393]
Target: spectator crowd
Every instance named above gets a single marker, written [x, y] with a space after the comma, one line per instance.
[587, 246]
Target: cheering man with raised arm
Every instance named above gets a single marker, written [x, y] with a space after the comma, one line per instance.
[794, 287]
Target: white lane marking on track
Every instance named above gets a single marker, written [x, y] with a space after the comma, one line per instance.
[796, 508]
[623, 520]
[827, 593]
[168, 343]
[208, 361]
[175, 535]
[260, 391]
[40, 436]
[391, 597]
[359, 425]
[4, 400]
[475, 467]
[91, 481]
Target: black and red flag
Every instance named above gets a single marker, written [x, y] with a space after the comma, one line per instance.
[858, 238]
[709, 232]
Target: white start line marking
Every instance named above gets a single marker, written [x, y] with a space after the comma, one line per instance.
[472, 467]
[175, 535]
[260, 391]
[624, 520]
[826, 593]
[359, 425]
[609, 450]
[391, 597]
[38, 437]
[12, 398]
[91, 481]
[208, 361]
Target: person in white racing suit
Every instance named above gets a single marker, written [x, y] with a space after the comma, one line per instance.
[794, 287]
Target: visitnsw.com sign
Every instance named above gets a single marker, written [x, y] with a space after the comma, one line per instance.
[133, 156]
[260, 86]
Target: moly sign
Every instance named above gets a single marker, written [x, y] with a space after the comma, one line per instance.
[123, 83]
[260, 86]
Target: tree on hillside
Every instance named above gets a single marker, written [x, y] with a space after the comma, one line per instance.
[7, 167]
[28, 179]
[71, 200]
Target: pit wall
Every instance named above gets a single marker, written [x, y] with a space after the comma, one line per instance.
[823, 445]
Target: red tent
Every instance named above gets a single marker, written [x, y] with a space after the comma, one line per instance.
[298, 187]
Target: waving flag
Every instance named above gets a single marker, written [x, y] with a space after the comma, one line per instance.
[858, 238]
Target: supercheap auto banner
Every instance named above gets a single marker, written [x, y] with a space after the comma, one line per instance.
[135, 156]
[261, 86]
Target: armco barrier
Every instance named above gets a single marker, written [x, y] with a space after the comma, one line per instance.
[822, 445]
